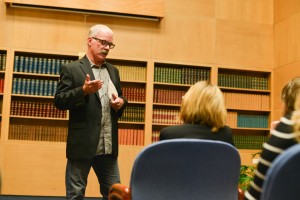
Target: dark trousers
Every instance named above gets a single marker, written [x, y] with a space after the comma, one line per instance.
[77, 171]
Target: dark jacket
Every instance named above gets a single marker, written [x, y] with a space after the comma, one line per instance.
[85, 112]
[196, 131]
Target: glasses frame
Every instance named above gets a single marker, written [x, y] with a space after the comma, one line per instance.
[104, 43]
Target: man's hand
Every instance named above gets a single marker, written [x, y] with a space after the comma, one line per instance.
[116, 102]
[90, 87]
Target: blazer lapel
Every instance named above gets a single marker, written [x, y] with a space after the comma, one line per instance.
[86, 69]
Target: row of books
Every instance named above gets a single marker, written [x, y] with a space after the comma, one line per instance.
[168, 96]
[155, 136]
[247, 81]
[134, 93]
[1, 85]
[133, 114]
[133, 137]
[165, 116]
[2, 61]
[132, 73]
[252, 121]
[30, 86]
[249, 142]
[247, 101]
[184, 75]
[39, 65]
[36, 109]
[30, 132]
[238, 120]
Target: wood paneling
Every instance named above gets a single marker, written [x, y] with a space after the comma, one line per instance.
[6, 24]
[189, 33]
[47, 30]
[284, 9]
[287, 41]
[183, 38]
[192, 8]
[39, 169]
[244, 44]
[137, 7]
[256, 11]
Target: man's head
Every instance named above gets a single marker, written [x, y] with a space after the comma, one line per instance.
[100, 41]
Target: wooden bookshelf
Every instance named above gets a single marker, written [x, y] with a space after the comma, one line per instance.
[171, 81]
[248, 100]
[32, 119]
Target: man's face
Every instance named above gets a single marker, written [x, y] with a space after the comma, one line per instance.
[99, 46]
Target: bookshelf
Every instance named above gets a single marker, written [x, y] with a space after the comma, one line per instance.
[133, 76]
[33, 116]
[247, 98]
[3, 54]
[171, 81]
[154, 91]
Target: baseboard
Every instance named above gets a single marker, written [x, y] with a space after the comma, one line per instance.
[14, 197]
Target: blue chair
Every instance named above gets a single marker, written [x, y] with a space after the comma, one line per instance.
[183, 169]
[282, 178]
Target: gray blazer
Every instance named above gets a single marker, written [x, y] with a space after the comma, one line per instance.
[85, 111]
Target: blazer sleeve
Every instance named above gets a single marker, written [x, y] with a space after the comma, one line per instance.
[69, 93]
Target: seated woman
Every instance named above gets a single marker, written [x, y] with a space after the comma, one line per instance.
[282, 137]
[203, 114]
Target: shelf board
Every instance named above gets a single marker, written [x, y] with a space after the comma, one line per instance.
[38, 118]
[35, 74]
[244, 90]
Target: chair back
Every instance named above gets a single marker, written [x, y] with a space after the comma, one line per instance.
[282, 178]
[188, 169]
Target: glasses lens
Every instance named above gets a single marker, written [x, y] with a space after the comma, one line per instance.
[105, 43]
[111, 46]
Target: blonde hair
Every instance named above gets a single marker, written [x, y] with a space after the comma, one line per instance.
[289, 94]
[296, 117]
[204, 104]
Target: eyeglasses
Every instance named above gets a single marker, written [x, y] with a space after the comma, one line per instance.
[105, 43]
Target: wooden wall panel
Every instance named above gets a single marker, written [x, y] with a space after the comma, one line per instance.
[256, 11]
[133, 38]
[39, 169]
[137, 7]
[47, 30]
[189, 33]
[244, 44]
[283, 9]
[6, 23]
[287, 41]
[192, 8]
[28, 167]
[175, 40]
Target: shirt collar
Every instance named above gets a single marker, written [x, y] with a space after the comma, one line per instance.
[97, 66]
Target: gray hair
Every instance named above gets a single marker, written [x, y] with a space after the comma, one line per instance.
[94, 30]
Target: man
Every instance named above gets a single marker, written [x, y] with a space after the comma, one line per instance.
[90, 89]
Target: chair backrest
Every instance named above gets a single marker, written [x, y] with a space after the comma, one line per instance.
[188, 169]
[282, 178]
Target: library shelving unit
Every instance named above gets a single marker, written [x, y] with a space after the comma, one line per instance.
[247, 98]
[133, 76]
[33, 116]
[171, 81]
[2, 76]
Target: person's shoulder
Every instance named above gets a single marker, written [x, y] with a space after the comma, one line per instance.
[110, 65]
[226, 129]
[171, 128]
